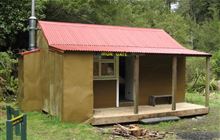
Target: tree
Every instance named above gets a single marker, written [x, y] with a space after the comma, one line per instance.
[13, 21]
[207, 36]
[199, 10]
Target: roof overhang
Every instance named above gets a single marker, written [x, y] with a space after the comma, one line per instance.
[130, 50]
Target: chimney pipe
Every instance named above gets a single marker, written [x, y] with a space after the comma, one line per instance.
[32, 27]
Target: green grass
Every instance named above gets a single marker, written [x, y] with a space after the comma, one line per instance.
[214, 99]
[210, 122]
[45, 127]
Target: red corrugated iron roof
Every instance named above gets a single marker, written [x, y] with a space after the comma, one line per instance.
[104, 38]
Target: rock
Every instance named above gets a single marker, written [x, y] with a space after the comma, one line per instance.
[194, 119]
[199, 117]
[159, 119]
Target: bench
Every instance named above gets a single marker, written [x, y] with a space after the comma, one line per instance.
[153, 98]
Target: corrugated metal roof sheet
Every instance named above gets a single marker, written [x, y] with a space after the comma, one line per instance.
[103, 38]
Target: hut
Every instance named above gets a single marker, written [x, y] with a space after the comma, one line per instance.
[104, 74]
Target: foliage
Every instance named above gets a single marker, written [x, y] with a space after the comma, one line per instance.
[196, 77]
[199, 84]
[204, 22]
[69, 11]
[207, 36]
[199, 10]
[8, 80]
[13, 20]
[216, 64]
[177, 27]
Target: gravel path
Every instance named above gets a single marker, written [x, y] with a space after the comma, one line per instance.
[199, 135]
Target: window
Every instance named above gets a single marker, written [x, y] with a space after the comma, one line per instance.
[104, 67]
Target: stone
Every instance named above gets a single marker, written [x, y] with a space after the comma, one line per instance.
[159, 119]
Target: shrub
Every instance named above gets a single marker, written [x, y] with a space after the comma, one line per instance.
[216, 64]
[196, 76]
[8, 76]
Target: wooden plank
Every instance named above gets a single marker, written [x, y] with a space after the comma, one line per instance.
[125, 114]
[136, 84]
[174, 81]
[207, 81]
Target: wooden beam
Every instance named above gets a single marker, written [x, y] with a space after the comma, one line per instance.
[174, 81]
[136, 83]
[207, 81]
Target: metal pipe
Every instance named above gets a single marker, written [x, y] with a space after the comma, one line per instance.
[32, 27]
[33, 8]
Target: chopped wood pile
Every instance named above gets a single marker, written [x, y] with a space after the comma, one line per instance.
[134, 131]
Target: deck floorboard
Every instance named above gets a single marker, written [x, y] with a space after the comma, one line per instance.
[126, 114]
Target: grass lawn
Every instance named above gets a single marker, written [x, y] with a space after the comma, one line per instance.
[210, 122]
[45, 127]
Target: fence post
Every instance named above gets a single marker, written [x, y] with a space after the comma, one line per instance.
[17, 126]
[8, 110]
[24, 128]
[19, 122]
[9, 130]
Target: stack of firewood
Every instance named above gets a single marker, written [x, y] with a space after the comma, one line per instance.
[137, 132]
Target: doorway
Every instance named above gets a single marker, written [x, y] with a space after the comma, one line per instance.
[125, 81]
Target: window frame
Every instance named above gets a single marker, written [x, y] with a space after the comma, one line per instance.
[100, 60]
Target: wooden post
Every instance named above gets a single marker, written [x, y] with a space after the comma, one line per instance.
[174, 81]
[9, 130]
[136, 83]
[207, 81]
[24, 128]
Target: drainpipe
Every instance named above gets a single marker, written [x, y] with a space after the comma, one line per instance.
[32, 27]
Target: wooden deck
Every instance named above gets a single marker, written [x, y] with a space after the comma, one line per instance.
[125, 114]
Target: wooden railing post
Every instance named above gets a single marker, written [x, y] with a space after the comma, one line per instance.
[174, 81]
[136, 83]
[207, 81]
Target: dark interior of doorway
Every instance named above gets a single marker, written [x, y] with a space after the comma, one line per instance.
[122, 78]
[122, 83]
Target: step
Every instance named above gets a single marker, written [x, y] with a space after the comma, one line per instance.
[159, 119]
